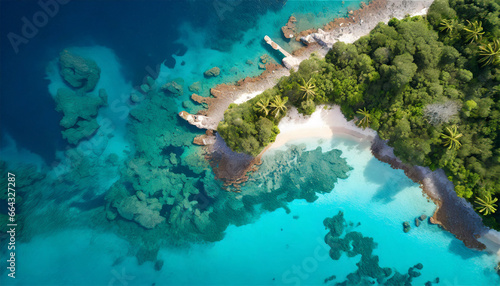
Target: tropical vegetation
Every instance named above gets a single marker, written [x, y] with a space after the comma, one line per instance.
[429, 85]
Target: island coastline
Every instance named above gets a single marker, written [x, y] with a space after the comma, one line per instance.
[452, 213]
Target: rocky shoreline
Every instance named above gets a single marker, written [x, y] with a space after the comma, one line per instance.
[349, 29]
[454, 214]
[359, 23]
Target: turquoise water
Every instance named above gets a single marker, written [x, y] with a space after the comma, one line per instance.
[68, 240]
[250, 47]
[277, 249]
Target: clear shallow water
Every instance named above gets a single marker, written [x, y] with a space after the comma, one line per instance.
[242, 57]
[277, 249]
[269, 248]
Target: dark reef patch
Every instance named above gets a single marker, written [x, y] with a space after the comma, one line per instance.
[353, 243]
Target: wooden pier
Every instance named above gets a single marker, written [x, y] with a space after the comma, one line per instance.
[289, 61]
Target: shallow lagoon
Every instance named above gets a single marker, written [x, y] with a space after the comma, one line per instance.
[278, 248]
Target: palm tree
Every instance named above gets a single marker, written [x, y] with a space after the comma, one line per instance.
[263, 106]
[308, 88]
[278, 105]
[451, 138]
[474, 31]
[448, 26]
[365, 121]
[490, 53]
[486, 205]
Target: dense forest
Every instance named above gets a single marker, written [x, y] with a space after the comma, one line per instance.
[430, 85]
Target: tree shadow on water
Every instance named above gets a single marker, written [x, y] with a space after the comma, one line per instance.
[390, 181]
[457, 247]
[351, 144]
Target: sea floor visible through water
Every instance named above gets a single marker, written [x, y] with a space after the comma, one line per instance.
[278, 248]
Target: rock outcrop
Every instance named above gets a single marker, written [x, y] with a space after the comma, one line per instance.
[79, 72]
[360, 22]
[174, 87]
[213, 72]
[290, 29]
[206, 139]
[79, 113]
[200, 121]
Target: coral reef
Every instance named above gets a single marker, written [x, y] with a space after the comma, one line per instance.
[173, 184]
[79, 113]
[78, 72]
[297, 174]
[27, 177]
[354, 243]
[144, 211]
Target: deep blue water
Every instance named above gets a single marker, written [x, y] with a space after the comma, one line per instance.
[143, 34]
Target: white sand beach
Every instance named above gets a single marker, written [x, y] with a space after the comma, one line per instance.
[327, 122]
[324, 123]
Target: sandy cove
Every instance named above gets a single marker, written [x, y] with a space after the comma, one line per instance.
[324, 123]
[454, 214]
[232, 168]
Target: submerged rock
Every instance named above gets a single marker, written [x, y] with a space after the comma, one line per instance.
[134, 98]
[328, 279]
[83, 129]
[78, 72]
[79, 113]
[195, 87]
[174, 87]
[159, 264]
[76, 107]
[265, 58]
[145, 88]
[213, 72]
[413, 273]
[406, 226]
[335, 224]
[417, 222]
